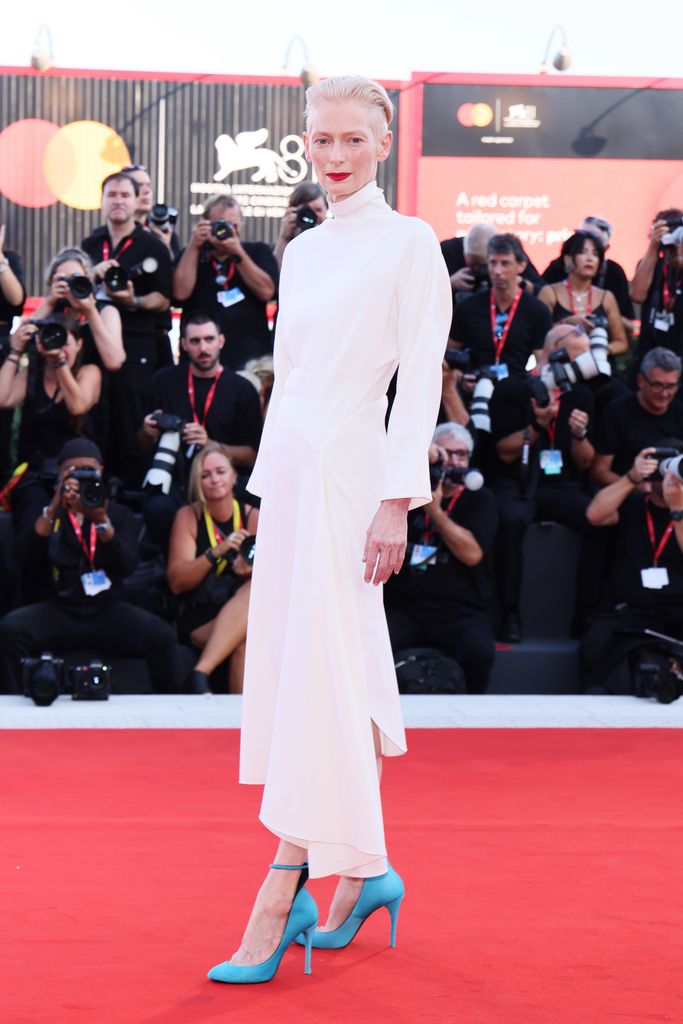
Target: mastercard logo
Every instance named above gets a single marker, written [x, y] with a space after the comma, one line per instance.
[42, 163]
[474, 115]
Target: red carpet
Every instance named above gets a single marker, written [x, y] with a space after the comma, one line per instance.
[543, 868]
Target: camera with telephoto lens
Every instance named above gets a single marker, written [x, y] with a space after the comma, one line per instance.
[222, 230]
[656, 675]
[79, 285]
[163, 216]
[670, 461]
[159, 476]
[44, 678]
[90, 487]
[562, 373]
[459, 359]
[306, 218]
[247, 550]
[471, 478]
[117, 278]
[51, 334]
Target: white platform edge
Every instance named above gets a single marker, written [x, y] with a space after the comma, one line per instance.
[420, 712]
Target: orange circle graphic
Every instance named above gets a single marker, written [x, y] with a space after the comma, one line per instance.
[481, 115]
[22, 147]
[78, 158]
[464, 115]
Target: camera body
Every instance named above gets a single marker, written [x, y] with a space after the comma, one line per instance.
[482, 279]
[91, 488]
[159, 476]
[247, 550]
[306, 218]
[655, 675]
[221, 230]
[168, 421]
[163, 216]
[79, 285]
[44, 679]
[563, 373]
[51, 334]
[471, 478]
[117, 278]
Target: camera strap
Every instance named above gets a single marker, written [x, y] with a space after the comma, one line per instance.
[216, 536]
[76, 527]
[500, 335]
[209, 398]
[449, 508]
[124, 244]
[669, 296]
[657, 549]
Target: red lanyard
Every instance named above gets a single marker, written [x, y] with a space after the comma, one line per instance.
[76, 526]
[575, 310]
[209, 397]
[669, 297]
[449, 508]
[118, 251]
[551, 428]
[499, 340]
[220, 270]
[656, 548]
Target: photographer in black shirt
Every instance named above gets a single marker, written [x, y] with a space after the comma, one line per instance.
[91, 545]
[142, 295]
[504, 326]
[212, 403]
[12, 296]
[646, 584]
[658, 285]
[232, 280]
[441, 597]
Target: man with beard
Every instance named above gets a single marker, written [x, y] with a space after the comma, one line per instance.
[214, 404]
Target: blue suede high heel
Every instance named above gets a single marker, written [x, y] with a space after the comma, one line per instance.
[302, 919]
[385, 890]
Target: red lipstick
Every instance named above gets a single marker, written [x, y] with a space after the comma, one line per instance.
[339, 177]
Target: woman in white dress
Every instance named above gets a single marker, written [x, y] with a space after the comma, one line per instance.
[361, 295]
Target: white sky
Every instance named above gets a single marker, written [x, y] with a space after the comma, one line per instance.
[380, 39]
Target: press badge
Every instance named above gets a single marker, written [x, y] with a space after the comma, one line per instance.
[664, 321]
[655, 577]
[422, 555]
[230, 297]
[95, 582]
[551, 461]
[499, 369]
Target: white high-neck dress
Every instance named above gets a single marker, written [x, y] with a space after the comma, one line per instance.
[360, 295]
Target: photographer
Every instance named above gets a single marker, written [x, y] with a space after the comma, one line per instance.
[504, 326]
[70, 283]
[633, 422]
[213, 403]
[306, 209]
[91, 545]
[150, 215]
[58, 395]
[657, 285]
[442, 595]
[134, 269]
[543, 441]
[12, 296]
[232, 280]
[646, 584]
[205, 564]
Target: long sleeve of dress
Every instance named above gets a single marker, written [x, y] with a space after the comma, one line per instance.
[424, 316]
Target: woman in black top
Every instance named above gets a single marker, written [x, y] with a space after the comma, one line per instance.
[204, 564]
[577, 301]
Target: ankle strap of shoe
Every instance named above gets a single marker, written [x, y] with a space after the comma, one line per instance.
[290, 867]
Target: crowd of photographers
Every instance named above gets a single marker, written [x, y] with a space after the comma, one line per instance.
[124, 465]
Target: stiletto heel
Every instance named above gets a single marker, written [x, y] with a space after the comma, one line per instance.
[303, 917]
[393, 909]
[385, 890]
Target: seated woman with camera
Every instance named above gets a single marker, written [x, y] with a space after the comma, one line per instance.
[69, 280]
[209, 563]
[44, 373]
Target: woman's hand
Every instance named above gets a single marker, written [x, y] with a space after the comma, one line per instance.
[22, 336]
[385, 541]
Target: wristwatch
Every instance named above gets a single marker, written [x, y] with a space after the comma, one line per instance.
[103, 527]
[677, 515]
[4, 265]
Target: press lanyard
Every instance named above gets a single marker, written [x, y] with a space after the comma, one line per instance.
[575, 310]
[76, 526]
[223, 276]
[551, 428]
[449, 508]
[214, 534]
[656, 548]
[669, 297]
[500, 339]
[209, 397]
[118, 251]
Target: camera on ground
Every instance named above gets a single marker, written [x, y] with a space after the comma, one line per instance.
[44, 679]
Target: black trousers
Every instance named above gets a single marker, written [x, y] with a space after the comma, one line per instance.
[612, 636]
[566, 505]
[116, 628]
[465, 635]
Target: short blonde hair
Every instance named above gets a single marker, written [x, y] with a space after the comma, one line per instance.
[353, 87]
[194, 487]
